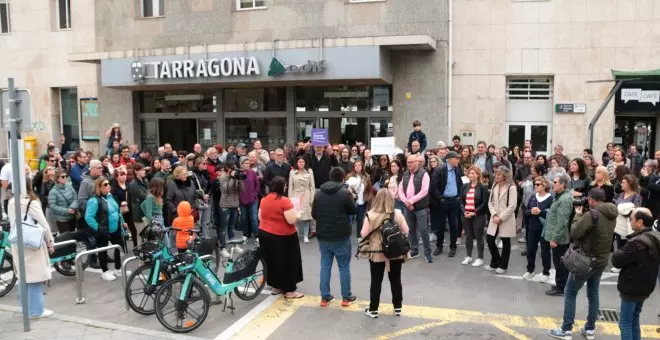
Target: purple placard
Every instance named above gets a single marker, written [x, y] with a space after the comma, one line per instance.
[319, 137]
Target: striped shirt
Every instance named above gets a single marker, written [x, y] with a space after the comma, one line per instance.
[469, 200]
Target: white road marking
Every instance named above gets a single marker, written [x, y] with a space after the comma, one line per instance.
[551, 282]
[247, 318]
[109, 325]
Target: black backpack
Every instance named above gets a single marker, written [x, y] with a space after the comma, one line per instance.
[394, 242]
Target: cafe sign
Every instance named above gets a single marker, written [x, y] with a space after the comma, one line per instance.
[189, 69]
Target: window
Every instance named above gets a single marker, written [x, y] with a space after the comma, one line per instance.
[344, 98]
[5, 23]
[361, 1]
[254, 99]
[69, 116]
[153, 8]
[529, 88]
[64, 14]
[180, 101]
[250, 4]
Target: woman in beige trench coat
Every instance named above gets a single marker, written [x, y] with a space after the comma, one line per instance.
[301, 186]
[37, 261]
[502, 205]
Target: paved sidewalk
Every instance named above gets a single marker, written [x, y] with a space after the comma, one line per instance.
[67, 328]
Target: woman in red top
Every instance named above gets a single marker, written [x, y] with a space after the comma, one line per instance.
[474, 205]
[278, 240]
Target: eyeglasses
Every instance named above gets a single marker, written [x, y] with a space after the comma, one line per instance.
[538, 184]
[63, 176]
[121, 174]
[335, 150]
[52, 160]
[105, 184]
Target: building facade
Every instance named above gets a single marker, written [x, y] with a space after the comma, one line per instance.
[230, 71]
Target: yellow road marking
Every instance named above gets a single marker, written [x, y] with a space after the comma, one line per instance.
[281, 310]
[411, 330]
[509, 331]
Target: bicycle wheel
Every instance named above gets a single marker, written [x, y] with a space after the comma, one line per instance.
[182, 316]
[252, 289]
[68, 268]
[139, 293]
[8, 275]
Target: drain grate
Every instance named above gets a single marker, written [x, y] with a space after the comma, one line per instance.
[610, 315]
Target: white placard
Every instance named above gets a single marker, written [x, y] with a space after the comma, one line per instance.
[382, 146]
[617, 140]
[253, 135]
[207, 134]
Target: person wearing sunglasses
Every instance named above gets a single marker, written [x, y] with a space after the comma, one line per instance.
[104, 218]
[119, 191]
[535, 212]
[63, 203]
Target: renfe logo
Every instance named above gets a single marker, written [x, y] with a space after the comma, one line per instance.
[277, 68]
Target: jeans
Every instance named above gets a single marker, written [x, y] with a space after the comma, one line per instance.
[629, 320]
[35, 298]
[361, 211]
[228, 218]
[399, 205]
[377, 273]
[573, 286]
[448, 210]
[474, 229]
[533, 240]
[562, 273]
[250, 219]
[205, 220]
[341, 250]
[417, 219]
[303, 226]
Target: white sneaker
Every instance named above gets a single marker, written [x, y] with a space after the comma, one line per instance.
[117, 273]
[256, 241]
[615, 270]
[541, 278]
[306, 239]
[46, 313]
[489, 268]
[245, 239]
[467, 260]
[238, 250]
[522, 240]
[224, 253]
[458, 241]
[477, 263]
[499, 245]
[432, 237]
[528, 276]
[108, 276]
[500, 271]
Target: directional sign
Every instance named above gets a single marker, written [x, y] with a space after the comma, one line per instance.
[24, 109]
[570, 108]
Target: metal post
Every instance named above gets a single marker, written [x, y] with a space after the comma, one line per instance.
[601, 109]
[14, 127]
[80, 272]
[124, 279]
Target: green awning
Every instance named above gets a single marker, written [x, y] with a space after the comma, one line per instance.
[636, 74]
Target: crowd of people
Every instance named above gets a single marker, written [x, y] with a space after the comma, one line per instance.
[330, 192]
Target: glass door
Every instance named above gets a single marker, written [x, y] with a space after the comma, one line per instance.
[149, 135]
[538, 133]
[207, 131]
[270, 131]
[636, 131]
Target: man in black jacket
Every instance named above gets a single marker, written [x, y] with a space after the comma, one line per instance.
[321, 165]
[639, 261]
[446, 186]
[277, 168]
[331, 207]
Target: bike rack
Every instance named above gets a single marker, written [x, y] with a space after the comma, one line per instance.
[124, 278]
[80, 272]
[59, 245]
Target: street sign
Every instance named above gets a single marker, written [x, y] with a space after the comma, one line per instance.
[570, 108]
[24, 109]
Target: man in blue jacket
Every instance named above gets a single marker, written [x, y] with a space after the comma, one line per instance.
[78, 169]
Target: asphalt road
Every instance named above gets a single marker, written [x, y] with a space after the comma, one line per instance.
[442, 300]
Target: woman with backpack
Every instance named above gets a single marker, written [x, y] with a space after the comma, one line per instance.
[382, 209]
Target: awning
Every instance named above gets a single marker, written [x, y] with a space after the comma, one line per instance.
[636, 74]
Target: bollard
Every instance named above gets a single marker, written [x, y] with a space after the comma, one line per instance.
[80, 272]
[124, 279]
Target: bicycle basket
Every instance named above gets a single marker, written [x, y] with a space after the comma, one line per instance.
[206, 246]
[146, 250]
[243, 267]
[183, 263]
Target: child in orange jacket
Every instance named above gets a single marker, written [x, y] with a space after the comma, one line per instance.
[185, 222]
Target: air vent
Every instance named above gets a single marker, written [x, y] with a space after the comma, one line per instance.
[609, 315]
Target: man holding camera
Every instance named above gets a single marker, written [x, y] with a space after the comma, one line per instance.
[557, 230]
[593, 231]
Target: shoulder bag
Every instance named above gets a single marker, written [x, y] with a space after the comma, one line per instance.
[576, 259]
[33, 233]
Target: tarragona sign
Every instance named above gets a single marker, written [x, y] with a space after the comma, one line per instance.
[222, 67]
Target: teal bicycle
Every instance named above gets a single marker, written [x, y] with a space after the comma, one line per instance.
[182, 303]
[142, 284]
[8, 275]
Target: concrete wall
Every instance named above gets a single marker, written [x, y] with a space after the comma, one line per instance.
[573, 40]
[35, 55]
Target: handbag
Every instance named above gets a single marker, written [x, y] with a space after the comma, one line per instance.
[123, 209]
[33, 233]
[575, 259]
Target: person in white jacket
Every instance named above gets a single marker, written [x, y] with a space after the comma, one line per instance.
[37, 261]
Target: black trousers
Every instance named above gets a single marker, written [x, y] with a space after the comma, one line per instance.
[533, 240]
[102, 241]
[562, 273]
[447, 211]
[128, 218]
[497, 260]
[377, 274]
